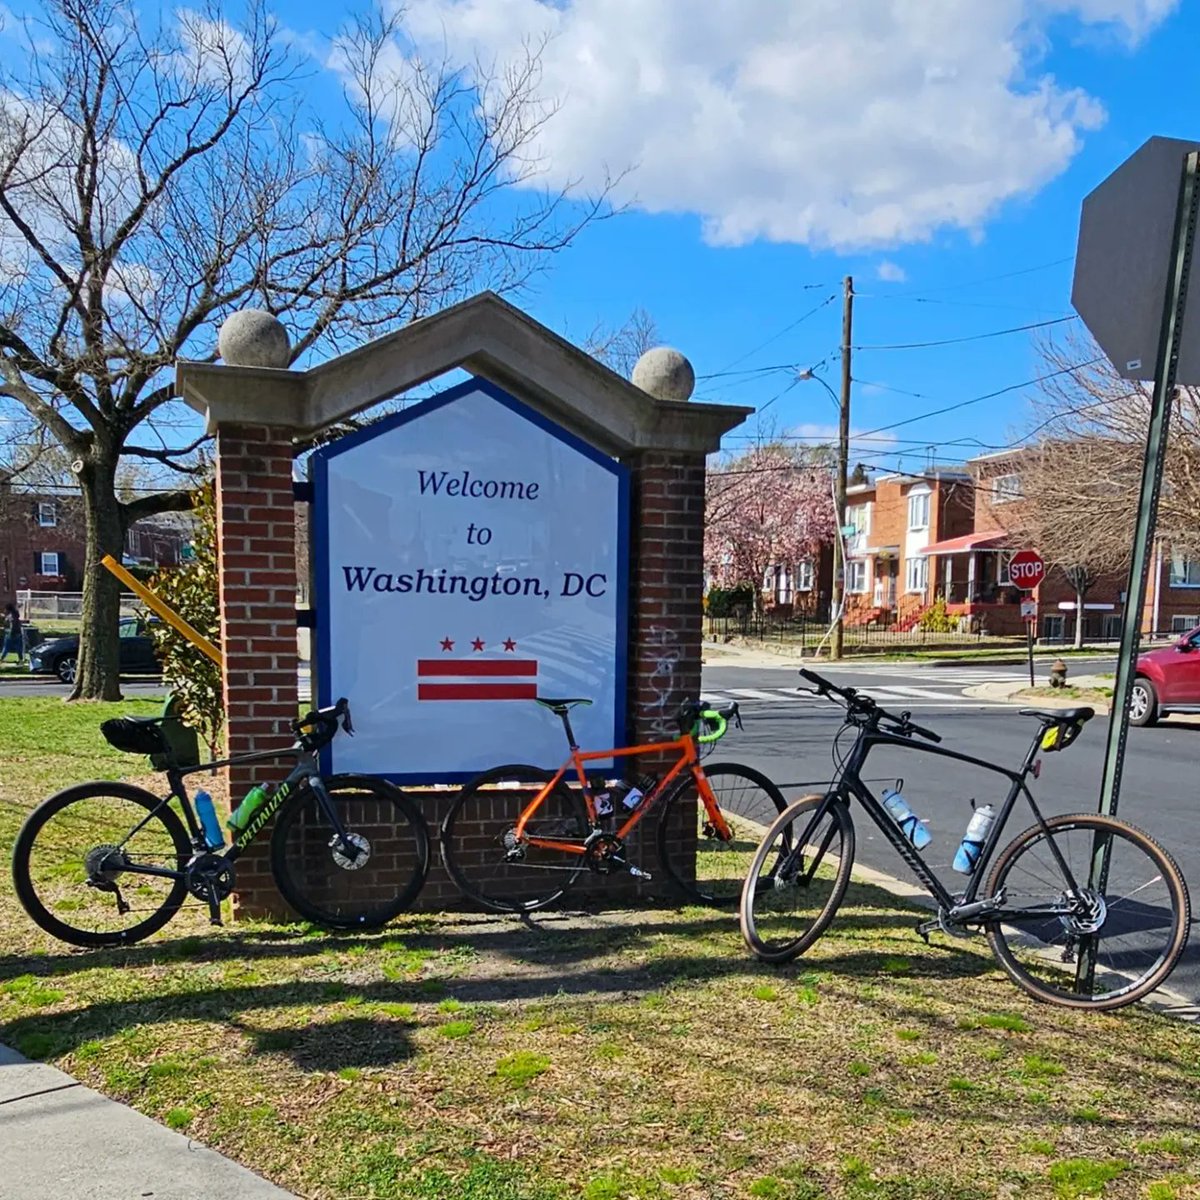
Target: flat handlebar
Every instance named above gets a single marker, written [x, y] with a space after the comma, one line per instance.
[858, 702]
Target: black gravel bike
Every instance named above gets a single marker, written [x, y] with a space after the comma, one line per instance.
[1081, 910]
[108, 864]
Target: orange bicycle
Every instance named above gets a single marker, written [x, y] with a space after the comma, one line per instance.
[516, 837]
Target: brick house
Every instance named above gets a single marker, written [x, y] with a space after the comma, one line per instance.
[898, 519]
[43, 541]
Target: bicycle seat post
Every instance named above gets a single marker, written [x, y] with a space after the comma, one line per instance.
[566, 720]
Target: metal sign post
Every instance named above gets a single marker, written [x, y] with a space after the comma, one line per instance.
[1165, 375]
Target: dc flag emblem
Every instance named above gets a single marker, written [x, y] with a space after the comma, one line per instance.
[473, 678]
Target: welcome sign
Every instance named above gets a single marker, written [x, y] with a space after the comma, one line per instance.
[468, 556]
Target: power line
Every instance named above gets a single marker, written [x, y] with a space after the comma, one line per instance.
[1015, 387]
[775, 337]
[951, 287]
[975, 337]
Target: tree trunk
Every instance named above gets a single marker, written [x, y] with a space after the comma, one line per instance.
[98, 675]
[1079, 619]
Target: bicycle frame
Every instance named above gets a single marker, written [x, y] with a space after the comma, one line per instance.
[689, 760]
[850, 782]
[306, 770]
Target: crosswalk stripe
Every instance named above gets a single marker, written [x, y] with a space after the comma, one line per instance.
[753, 694]
[921, 693]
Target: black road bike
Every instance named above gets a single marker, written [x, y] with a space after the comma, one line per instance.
[108, 864]
[1081, 910]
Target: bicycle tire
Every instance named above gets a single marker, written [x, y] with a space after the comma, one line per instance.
[310, 873]
[28, 890]
[792, 944]
[1021, 973]
[474, 852]
[710, 881]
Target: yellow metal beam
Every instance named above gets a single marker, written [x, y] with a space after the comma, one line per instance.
[164, 610]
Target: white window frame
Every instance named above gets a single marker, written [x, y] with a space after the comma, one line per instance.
[916, 574]
[804, 576]
[1009, 492]
[50, 554]
[857, 583]
[1181, 570]
[1054, 621]
[47, 508]
[918, 499]
[1183, 624]
[1003, 577]
[859, 515]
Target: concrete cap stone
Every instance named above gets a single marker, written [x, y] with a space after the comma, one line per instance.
[665, 374]
[253, 338]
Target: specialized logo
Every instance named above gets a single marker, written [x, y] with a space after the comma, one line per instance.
[261, 817]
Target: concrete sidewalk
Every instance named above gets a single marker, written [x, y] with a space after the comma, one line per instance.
[59, 1138]
[1009, 690]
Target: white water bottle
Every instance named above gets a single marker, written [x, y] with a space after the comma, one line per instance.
[972, 843]
[910, 824]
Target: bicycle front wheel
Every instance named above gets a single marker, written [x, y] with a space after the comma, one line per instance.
[697, 860]
[797, 879]
[78, 864]
[323, 883]
[1130, 933]
[486, 859]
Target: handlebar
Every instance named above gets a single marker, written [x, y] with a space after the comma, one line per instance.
[706, 722]
[863, 705]
[323, 724]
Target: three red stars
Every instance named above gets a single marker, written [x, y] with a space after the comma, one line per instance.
[478, 645]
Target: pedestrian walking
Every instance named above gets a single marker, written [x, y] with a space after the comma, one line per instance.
[12, 634]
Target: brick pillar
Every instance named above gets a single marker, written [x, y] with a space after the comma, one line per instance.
[257, 560]
[666, 583]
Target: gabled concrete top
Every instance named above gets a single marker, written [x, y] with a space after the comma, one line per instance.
[486, 336]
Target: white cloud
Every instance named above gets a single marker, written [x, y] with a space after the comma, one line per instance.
[852, 126]
[891, 272]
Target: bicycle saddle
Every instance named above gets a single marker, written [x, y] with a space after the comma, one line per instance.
[1060, 714]
[561, 705]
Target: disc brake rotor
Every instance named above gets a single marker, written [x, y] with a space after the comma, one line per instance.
[360, 844]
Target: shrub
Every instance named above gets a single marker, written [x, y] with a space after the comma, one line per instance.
[730, 602]
[935, 619]
[191, 590]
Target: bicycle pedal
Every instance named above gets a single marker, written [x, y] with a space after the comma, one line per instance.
[925, 928]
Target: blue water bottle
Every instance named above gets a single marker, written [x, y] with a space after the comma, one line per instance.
[973, 840]
[207, 813]
[910, 824]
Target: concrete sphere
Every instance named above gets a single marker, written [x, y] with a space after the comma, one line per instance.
[253, 338]
[665, 374]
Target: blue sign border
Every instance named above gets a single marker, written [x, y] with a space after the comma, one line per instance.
[319, 537]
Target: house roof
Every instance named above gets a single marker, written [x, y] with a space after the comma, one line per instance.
[990, 540]
[485, 336]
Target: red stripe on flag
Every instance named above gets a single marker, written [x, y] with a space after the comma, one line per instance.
[485, 667]
[477, 691]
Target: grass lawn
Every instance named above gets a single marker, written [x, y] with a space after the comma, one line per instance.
[627, 1055]
[1095, 696]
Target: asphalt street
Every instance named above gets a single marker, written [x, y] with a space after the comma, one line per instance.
[789, 736]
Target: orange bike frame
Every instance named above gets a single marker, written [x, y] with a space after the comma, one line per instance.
[688, 760]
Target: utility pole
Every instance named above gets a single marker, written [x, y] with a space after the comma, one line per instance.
[837, 592]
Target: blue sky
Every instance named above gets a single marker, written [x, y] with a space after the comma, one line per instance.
[937, 152]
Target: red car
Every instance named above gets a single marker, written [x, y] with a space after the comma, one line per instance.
[1167, 681]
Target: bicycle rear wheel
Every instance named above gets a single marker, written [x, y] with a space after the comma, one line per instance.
[481, 851]
[321, 882]
[1134, 929]
[702, 865]
[75, 864]
[797, 879]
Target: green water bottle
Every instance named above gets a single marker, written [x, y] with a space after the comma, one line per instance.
[241, 816]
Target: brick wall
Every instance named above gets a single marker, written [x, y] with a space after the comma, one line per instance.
[258, 571]
[23, 539]
[256, 532]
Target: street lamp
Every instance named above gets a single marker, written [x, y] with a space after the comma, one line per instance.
[839, 505]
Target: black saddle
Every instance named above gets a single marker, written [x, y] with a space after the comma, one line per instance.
[1060, 714]
[561, 706]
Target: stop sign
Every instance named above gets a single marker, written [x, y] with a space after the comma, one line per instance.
[1026, 569]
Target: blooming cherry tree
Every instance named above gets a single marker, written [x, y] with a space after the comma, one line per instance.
[770, 505]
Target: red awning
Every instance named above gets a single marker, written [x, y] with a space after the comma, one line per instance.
[968, 542]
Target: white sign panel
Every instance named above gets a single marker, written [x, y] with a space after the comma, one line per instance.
[469, 556]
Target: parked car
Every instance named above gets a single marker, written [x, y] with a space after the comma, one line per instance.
[1167, 681]
[59, 656]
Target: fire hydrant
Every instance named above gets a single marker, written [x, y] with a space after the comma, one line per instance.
[1058, 673]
